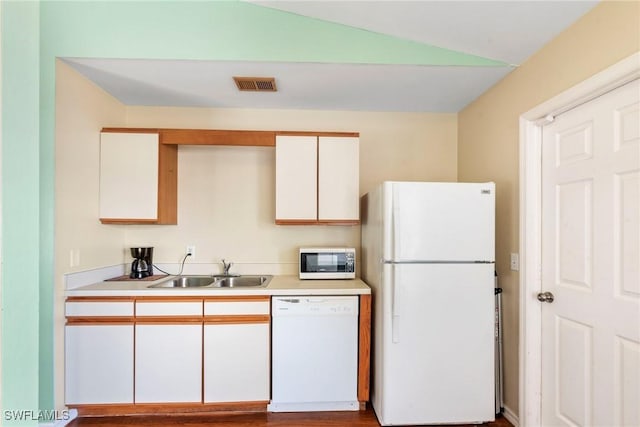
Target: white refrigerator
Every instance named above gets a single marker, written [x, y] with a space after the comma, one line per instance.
[428, 254]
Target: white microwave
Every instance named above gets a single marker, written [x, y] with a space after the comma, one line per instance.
[327, 263]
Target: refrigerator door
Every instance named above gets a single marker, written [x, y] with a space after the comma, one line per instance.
[450, 222]
[438, 345]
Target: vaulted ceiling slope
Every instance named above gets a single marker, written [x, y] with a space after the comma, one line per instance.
[413, 56]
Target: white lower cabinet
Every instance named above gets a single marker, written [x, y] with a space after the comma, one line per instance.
[98, 364]
[236, 362]
[167, 350]
[168, 363]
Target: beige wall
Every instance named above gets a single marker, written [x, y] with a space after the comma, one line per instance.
[489, 133]
[81, 110]
[226, 194]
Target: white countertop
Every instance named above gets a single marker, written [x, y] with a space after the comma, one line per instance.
[279, 285]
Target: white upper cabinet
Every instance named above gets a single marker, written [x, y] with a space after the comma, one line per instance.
[137, 179]
[296, 176]
[317, 179]
[338, 179]
[129, 175]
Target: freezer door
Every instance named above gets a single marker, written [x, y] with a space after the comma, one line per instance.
[440, 221]
[438, 348]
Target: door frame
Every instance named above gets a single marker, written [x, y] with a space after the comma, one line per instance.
[530, 233]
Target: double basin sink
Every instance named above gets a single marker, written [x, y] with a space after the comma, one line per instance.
[229, 281]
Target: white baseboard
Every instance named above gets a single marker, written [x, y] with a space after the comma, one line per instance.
[511, 416]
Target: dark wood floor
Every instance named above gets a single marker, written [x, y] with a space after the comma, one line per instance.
[313, 419]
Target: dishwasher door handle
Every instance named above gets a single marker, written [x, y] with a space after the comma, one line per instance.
[316, 300]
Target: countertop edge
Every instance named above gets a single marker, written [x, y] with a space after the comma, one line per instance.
[279, 285]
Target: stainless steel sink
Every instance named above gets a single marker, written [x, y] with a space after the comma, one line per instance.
[242, 282]
[185, 282]
[229, 281]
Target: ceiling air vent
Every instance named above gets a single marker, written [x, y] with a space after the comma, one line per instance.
[256, 84]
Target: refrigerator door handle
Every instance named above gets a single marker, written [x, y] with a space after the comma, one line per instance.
[395, 304]
[395, 225]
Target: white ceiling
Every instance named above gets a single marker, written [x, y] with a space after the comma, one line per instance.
[506, 31]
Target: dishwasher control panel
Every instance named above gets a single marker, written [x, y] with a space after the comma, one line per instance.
[318, 306]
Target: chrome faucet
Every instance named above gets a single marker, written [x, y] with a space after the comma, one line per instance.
[226, 267]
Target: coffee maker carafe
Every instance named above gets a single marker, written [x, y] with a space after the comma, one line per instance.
[142, 265]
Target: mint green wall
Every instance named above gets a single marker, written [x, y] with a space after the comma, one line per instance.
[33, 35]
[223, 30]
[20, 207]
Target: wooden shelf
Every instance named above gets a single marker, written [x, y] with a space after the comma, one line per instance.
[255, 138]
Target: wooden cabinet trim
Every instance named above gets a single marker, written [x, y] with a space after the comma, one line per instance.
[99, 320]
[308, 133]
[168, 408]
[229, 319]
[168, 320]
[246, 138]
[317, 222]
[130, 130]
[296, 222]
[364, 347]
[237, 298]
[255, 138]
[338, 222]
[156, 298]
[167, 183]
[125, 221]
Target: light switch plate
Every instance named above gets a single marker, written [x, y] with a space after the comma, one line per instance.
[74, 257]
[515, 262]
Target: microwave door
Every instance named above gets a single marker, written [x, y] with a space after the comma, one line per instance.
[322, 263]
[326, 265]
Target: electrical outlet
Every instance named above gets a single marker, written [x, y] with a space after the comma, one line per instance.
[515, 262]
[191, 249]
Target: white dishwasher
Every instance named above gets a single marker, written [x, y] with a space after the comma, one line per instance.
[314, 353]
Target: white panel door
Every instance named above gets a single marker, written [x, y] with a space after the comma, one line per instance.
[442, 221]
[168, 363]
[129, 175]
[98, 364]
[591, 256]
[438, 349]
[296, 177]
[338, 178]
[237, 365]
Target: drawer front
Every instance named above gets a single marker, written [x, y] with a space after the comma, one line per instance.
[98, 308]
[221, 308]
[173, 308]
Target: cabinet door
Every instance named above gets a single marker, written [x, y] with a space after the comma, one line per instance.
[168, 363]
[338, 178]
[129, 176]
[98, 364]
[296, 178]
[236, 362]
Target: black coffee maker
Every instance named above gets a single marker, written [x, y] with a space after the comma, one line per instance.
[142, 265]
